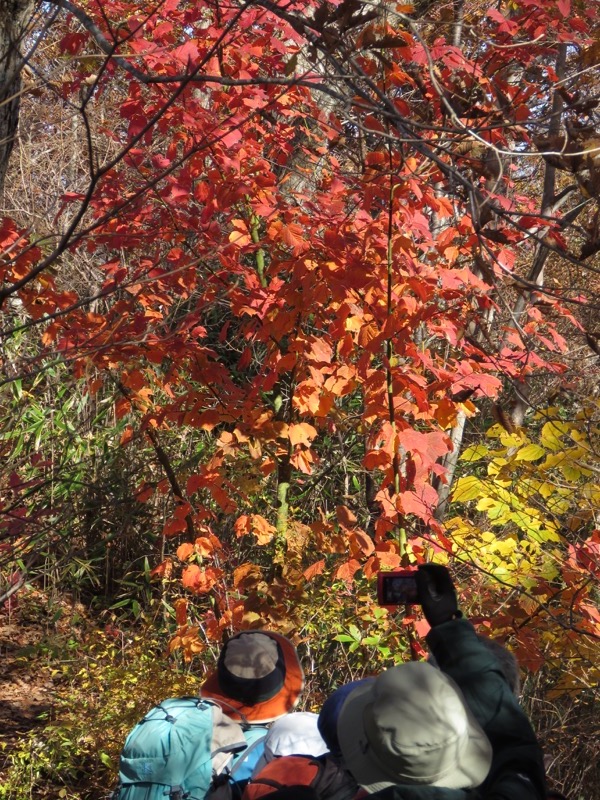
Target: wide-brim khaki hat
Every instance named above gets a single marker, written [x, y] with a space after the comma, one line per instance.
[412, 725]
[258, 675]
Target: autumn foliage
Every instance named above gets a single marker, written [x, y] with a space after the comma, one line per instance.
[319, 232]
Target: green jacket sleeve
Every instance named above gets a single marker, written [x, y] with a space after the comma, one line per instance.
[517, 771]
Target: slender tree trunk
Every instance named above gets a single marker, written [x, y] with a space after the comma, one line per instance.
[284, 479]
[14, 17]
[536, 274]
[450, 462]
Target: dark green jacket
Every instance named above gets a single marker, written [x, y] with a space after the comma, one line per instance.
[517, 771]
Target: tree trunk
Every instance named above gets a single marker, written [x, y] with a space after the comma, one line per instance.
[536, 274]
[14, 18]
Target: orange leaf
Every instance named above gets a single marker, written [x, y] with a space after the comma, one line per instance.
[144, 493]
[173, 527]
[371, 567]
[429, 446]
[367, 333]
[182, 510]
[302, 433]
[377, 459]
[302, 460]
[345, 516]
[242, 525]
[208, 419]
[422, 627]
[255, 524]
[247, 575]
[163, 570]
[262, 529]
[293, 236]
[411, 503]
[346, 571]
[320, 350]
[390, 559]
[191, 576]
[127, 435]
[445, 413]
[200, 581]
[287, 362]
[360, 543]
[180, 607]
[184, 551]
[204, 546]
[315, 569]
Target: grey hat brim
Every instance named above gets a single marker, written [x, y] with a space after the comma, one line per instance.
[373, 776]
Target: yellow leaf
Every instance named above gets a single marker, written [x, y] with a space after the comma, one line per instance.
[553, 460]
[530, 452]
[494, 509]
[546, 489]
[250, 617]
[507, 547]
[511, 439]
[571, 473]
[475, 453]
[551, 433]
[494, 432]
[467, 488]
[547, 534]
[496, 465]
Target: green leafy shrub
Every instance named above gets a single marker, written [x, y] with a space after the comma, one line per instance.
[114, 679]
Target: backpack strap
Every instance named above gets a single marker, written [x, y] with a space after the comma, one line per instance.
[274, 784]
[245, 754]
[238, 747]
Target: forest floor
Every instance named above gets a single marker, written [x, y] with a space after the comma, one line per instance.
[33, 631]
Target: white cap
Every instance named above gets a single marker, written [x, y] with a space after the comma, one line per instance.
[294, 734]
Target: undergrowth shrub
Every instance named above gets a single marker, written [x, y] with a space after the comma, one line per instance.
[114, 680]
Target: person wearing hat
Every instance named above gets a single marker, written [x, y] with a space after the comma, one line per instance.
[330, 713]
[258, 677]
[292, 735]
[452, 733]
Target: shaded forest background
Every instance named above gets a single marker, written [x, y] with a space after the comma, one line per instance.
[293, 292]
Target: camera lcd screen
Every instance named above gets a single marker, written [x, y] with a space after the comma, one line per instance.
[399, 590]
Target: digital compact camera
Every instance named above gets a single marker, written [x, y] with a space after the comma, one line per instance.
[397, 588]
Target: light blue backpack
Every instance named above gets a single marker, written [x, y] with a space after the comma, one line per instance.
[244, 762]
[172, 754]
[174, 751]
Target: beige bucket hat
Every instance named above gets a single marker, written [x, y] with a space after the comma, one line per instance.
[412, 725]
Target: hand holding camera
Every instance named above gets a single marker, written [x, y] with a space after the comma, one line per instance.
[437, 594]
[430, 586]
